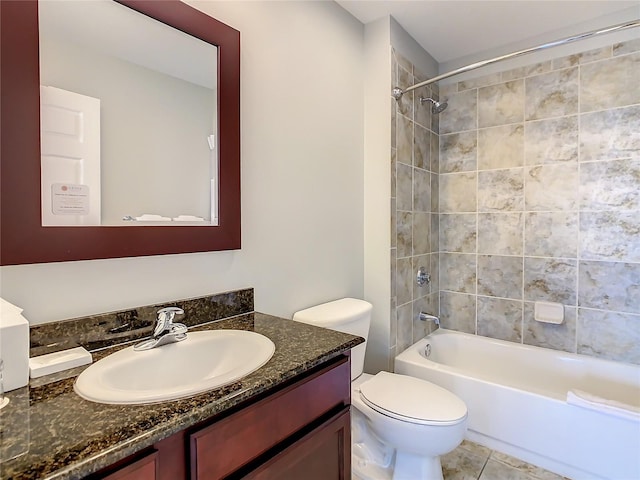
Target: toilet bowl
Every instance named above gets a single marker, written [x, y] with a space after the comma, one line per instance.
[400, 425]
[417, 419]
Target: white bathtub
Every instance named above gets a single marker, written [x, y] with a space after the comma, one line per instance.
[516, 396]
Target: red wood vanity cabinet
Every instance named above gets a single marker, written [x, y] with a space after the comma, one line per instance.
[300, 431]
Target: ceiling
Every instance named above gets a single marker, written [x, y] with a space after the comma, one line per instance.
[453, 29]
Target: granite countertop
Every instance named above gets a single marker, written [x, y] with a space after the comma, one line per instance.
[58, 435]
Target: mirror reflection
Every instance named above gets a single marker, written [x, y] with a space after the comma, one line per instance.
[128, 119]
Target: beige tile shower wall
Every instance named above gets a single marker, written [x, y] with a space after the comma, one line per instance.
[540, 200]
[414, 195]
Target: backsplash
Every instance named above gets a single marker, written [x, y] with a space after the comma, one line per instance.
[539, 200]
[99, 331]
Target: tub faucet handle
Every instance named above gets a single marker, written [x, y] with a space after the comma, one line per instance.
[422, 277]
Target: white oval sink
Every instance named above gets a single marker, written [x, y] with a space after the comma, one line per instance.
[205, 360]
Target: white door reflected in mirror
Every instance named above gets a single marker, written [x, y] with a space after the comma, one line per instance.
[70, 162]
[157, 91]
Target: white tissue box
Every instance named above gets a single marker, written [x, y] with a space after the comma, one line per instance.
[14, 351]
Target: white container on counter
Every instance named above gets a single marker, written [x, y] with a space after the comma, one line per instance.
[14, 347]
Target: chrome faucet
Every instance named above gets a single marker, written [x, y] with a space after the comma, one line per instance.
[164, 331]
[425, 317]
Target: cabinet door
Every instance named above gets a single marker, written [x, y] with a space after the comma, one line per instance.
[322, 454]
[143, 469]
[165, 461]
[233, 442]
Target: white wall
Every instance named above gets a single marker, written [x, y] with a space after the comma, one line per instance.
[302, 182]
[405, 44]
[377, 190]
[380, 36]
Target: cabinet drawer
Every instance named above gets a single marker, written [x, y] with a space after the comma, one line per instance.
[225, 446]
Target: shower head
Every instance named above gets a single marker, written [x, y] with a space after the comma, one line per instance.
[437, 107]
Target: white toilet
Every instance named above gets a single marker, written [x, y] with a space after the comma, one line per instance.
[400, 424]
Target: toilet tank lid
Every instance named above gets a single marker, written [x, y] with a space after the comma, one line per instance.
[333, 313]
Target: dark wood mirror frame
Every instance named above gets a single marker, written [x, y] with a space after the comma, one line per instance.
[23, 239]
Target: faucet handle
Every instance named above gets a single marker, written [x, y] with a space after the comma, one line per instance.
[170, 312]
[165, 319]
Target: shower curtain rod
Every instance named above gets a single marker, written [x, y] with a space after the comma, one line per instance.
[398, 92]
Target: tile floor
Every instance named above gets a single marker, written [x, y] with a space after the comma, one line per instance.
[471, 461]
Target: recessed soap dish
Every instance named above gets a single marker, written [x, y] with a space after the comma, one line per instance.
[549, 312]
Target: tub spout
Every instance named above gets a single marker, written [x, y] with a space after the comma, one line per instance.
[425, 317]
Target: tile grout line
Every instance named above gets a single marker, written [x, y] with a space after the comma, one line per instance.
[579, 236]
[484, 465]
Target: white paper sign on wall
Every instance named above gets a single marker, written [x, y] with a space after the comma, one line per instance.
[70, 199]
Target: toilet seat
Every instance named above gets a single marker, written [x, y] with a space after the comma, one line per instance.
[412, 400]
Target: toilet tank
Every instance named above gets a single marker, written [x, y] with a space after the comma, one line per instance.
[348, 315]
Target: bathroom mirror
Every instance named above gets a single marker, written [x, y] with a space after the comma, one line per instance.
[23, 238]
[124, 98]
